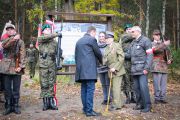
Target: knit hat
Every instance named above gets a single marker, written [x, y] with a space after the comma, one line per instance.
[9, 25]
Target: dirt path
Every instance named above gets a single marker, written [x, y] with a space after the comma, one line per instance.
[70, 105]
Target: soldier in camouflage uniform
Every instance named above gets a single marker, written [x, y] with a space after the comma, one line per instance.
[160, 67]
[32, 55]
[127, 83]
[12, 66]
[47, 66]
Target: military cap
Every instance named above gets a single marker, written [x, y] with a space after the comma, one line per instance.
[156, 32]
[128, 25]
[9, 25]
[45, 26]
[109, 34]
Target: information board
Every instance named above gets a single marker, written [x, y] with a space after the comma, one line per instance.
[71, 33]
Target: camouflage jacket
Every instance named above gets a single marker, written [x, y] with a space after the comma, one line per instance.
[47, 51]
[126, 40]
[159, 61]
[11, 51]
[32, 55]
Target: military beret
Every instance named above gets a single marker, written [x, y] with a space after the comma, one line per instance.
[109, 34]
[128, 25]
[45, 26]
[9, 25]
[156, 32]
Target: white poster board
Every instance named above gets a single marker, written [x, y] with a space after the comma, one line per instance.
[71, 33]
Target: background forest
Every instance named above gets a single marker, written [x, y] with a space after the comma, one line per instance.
[27, 14]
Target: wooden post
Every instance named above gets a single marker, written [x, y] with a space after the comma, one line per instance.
[109, 23]
[69, 8]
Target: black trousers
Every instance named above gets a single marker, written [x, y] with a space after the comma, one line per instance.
[12, 86]
[1, 82]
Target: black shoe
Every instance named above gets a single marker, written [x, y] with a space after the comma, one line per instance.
[83, 111]
[16, 106]
[138, 107]
[163, 102]
[157, 101]
[93, 113]
[145, 110]
[52, 104]
[114, 108]
[127, 101]
[45, 104]
[7, 107]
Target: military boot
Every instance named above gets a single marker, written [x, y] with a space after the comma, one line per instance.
[52, 104]
[132, 98]
[127, 98]
[45, 104]
[7, 107]
[16, 106]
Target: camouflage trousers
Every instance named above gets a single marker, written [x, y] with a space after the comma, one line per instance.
[127, 83]
[47, 81]
[32, 67]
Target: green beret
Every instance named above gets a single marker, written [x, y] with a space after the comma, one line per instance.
[128, 25]
[45, 26]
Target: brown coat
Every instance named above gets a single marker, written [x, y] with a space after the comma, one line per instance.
[159, 61]
[11, 51]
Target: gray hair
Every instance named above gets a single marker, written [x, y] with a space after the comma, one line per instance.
[136, 28]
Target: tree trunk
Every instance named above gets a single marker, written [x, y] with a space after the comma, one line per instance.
[140, 13]
[16, 17]
[56, 8]
[23, 23]
[41, 6]
[178, 25]
[164, 17]
[174, 33]
[147, 17]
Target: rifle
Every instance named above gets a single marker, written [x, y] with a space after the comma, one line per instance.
[17, 56]
[163, 39]
[59, 53]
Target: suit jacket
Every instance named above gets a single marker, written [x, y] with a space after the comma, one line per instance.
[87, 54]
[114, 58]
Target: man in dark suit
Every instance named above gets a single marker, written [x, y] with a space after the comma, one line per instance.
[87, 54]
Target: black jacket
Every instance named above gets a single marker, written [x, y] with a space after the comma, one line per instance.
[87, 54]
[141, 55]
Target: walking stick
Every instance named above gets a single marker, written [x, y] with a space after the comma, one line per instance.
[107, 106]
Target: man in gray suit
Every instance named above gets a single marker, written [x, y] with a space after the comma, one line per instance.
[87, 54]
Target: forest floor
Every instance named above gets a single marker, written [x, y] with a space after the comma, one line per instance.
[70, 107]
